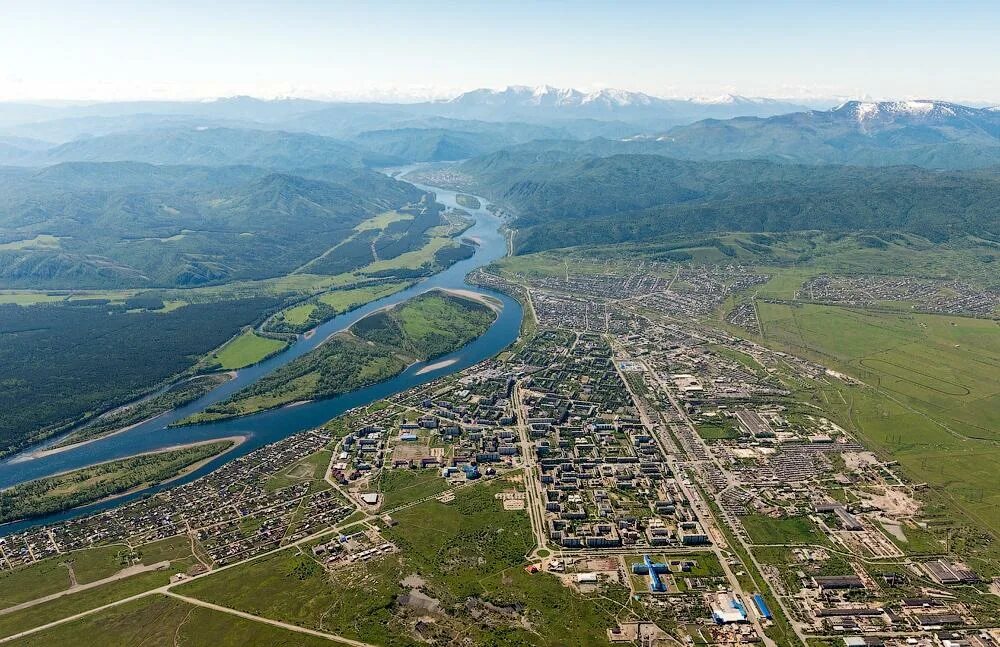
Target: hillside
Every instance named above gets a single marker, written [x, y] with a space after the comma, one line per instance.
[127, 224]
[202, 145]
[564, 199]
[931, 134]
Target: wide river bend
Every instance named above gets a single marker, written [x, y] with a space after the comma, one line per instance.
[270, 426]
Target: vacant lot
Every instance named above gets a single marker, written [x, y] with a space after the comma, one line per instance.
[937, 407]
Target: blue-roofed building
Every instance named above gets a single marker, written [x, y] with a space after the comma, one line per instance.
[653, 570]
[762, 607]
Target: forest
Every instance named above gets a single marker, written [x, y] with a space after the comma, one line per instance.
[127, 224]
[564, 199]
[177, 395]
[63, 362]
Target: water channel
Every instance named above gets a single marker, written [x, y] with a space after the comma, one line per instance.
[270, 426]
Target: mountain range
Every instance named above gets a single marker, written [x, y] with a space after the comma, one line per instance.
[243, 130]
[931, 134]
[130, 224]
[560, 198]
[542, 105]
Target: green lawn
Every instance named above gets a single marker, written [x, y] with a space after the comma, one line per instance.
[247, 349]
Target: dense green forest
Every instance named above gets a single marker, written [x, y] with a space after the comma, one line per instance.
[59, 362]
[374, 349]
[177, 395]
[126, 224]
[563, 200]
[89, 484]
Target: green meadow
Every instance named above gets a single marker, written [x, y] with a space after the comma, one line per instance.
[935, 401]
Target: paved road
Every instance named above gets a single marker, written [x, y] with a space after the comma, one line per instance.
[706, 519]
[532, 487]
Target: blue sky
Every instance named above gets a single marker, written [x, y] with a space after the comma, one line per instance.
[129, 50]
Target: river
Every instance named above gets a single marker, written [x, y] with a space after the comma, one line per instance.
[270, 426]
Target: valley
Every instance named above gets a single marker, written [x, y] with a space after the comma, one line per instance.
[522, 366]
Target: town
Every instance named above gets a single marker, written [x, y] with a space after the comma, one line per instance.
[650, 452]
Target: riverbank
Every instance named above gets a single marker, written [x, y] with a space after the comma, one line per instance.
[106, 481]
[276, 424]
[379, 347]
[140, 413]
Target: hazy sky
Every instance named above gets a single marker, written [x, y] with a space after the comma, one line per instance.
[141, 49]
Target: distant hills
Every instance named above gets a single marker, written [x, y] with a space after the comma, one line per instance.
[129, 224]
[515, 103]
[933, 134]
[203, 146]
[188, 193]
[243, 130]
[565, 198]
[930, 134]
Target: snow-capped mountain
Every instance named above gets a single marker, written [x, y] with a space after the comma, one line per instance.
[546, 102]
[935, 134]
[913, 111]
[548, 96]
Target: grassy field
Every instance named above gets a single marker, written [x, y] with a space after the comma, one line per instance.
[161, 621]
[312, 468]
[721, 430]
[249, 348]
[51, 576]
[410, 260]
[786, 530]
[383, 220]
[345, 300]
[937, 405]
[309, 314]
[945, 367]
[299, 314]
[402, 486]
[469, 555]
